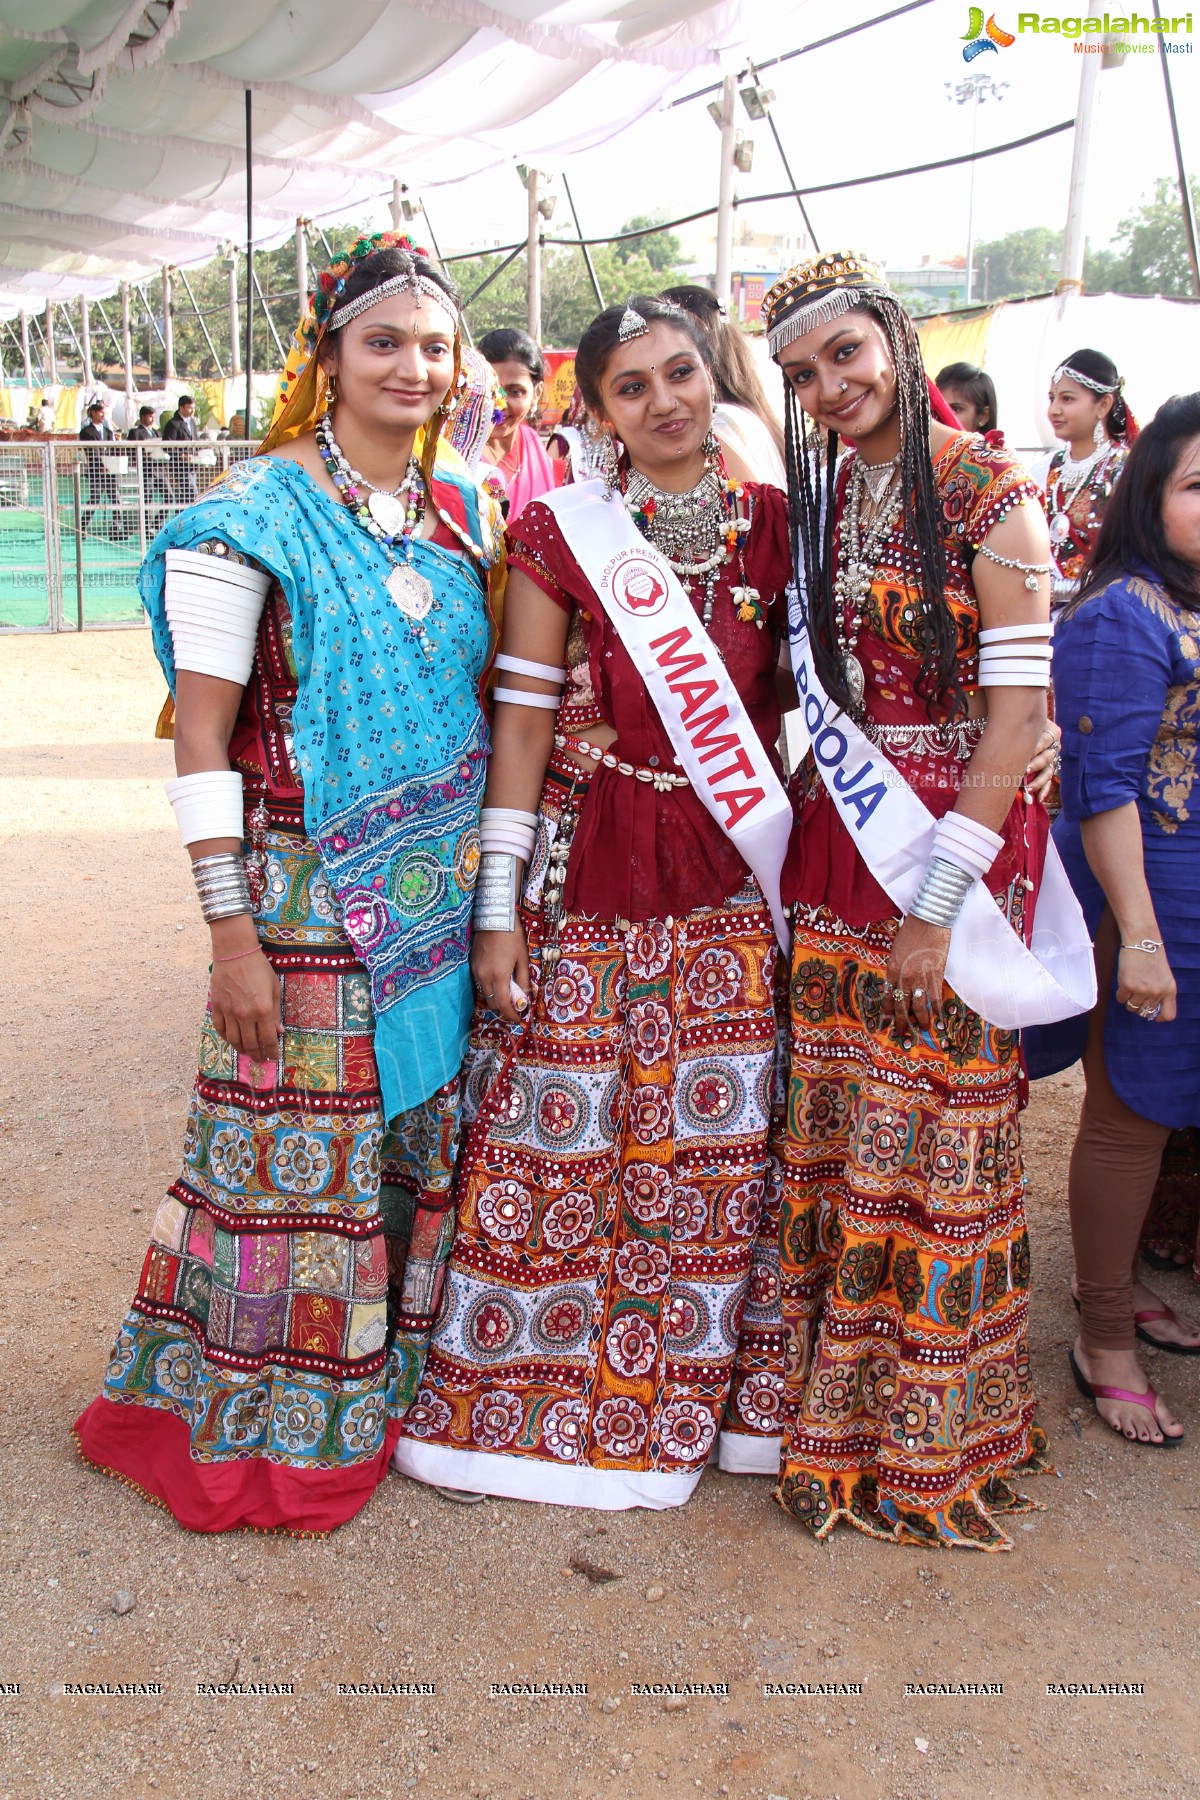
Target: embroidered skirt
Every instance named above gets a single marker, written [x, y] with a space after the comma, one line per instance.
[607, 1203]
[904, 1259]
[296, 1263]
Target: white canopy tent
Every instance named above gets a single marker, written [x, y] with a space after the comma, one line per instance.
[122, 122]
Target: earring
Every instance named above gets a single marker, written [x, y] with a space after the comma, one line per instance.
[331, 386]
[712, 450]
[1099, 434]
[610, 464]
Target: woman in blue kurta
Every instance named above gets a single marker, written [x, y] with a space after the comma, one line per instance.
[325, 633]
[1127, 686]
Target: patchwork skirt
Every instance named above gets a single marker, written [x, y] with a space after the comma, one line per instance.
[608, 1199]
[295, 1264]
[904, 1259]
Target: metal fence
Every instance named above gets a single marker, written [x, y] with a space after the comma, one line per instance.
[76, 518]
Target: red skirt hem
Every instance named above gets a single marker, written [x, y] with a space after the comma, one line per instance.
[150, 1452]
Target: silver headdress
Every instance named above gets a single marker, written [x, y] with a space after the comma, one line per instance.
[632, 325]
[816, 293]
[1065, 371]
[419, 286]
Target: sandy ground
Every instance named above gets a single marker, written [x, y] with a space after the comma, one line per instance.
[102, 994]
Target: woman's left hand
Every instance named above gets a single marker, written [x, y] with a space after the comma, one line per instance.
[916, 969]
[1042, 772]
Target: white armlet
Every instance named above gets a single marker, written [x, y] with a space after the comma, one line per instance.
[518, 697]
[207, 805]
[213, 608]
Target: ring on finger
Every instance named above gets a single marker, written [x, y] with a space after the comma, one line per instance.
[1150, 1012]
[918, 993]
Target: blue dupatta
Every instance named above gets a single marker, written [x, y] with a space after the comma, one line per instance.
[392, 747]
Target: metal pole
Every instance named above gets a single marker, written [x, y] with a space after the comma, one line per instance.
[51, 353]
[301, 264]
[212, 348]
[77, 495]
[86, 321]
[587, 255]
[249, 267]
[533, 260]
[971, 198]
[25, 357]
[725, 192]
[1185, 192]
[235, 330]
[168, 324]
[397, 191]
[127, 351]
[1070, 278]
[140, 466]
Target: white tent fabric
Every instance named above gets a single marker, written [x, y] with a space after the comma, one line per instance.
[122, 124]
[1154, 342]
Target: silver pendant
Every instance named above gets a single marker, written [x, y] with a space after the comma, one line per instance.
[389, 513]
[411, 592]
[856, 681]
[1060, 528]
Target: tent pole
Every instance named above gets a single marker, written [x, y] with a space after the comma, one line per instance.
[1185, 192]
[212, 348]
[235, 330]
[533, 260]
[168, 324]
[587, 255]
[86, 321]
[1070, 279]
[127, 352]
[51, 354]
[25, 357]
[249, 266]
[723, 284]
[301, 266]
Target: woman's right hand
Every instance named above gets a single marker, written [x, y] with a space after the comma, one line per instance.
[498, 958]
[245, 1005]
[1144, 981]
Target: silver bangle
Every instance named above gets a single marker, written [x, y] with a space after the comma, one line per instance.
[496, 891]
[942, 892]
[1149, 945]
[222, 886]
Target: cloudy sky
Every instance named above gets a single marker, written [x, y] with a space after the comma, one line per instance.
[875, 101]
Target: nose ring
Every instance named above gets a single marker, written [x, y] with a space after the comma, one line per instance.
[843, 387]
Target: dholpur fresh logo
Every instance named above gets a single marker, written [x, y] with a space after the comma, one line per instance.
[979, 37]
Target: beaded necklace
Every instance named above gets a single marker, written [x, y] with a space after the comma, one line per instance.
[858, 559]
[696, 533]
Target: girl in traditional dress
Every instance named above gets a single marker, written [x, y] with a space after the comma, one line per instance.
[1087, 409]
[970, 393]
[610, 1186]
[922, 636]
[514, 453]
[323, 618]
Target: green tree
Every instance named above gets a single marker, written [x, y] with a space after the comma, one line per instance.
[1021, 262]
[1151, 245]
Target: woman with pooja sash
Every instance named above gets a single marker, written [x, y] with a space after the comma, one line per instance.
[922, 639]
[626, 930]
[323, 618]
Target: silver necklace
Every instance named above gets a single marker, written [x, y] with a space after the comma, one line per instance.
[688, 530]
[1079, 474]
[858, 558]
[879, 477]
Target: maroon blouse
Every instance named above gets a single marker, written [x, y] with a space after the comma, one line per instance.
[638, 853]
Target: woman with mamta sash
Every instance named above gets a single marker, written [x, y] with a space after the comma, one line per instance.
[626, 939]
[921, 650]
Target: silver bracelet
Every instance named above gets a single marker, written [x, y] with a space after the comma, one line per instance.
[222, 886]
[496, 891]
[942, 892]
[1149, 945]
[1031, 571]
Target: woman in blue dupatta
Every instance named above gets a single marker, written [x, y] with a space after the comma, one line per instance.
[324, 620]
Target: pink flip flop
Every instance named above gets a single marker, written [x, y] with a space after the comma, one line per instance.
[1162, 1312]
[1148, 1399]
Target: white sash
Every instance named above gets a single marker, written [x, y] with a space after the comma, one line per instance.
[718, 748]
[988, 965]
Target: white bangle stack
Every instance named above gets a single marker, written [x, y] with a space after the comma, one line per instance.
[496, 891]
[1015, 656]
[963, 852]
[207, 804]
[507, 830]
[521, 665]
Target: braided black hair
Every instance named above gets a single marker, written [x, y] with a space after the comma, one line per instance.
[812, 476]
